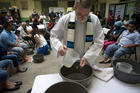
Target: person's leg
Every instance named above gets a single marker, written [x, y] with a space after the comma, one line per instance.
[46, 49]
[6, 84]
[3, 78]
[18, 50]
[14, 59]
[11, 57]
[109, 50]
[121, 51]
[23, 45]
[39, 50]
[106, 44]
[6, 63]
[21, 52]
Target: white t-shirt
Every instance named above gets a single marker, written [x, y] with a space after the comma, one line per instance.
[42, 40]
[22, 32]
[42, 17]
[29, 28]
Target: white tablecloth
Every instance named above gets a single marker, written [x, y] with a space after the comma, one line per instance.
[42, 82]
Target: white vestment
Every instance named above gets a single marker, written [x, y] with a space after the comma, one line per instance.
[59, 37]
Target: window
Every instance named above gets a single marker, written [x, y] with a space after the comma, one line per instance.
[24, 5]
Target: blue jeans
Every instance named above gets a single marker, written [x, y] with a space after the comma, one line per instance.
[117, 50]
[43, 50]
[23, 45]
[3, 76]
[12, 57]
[19, 50]
[6, 63]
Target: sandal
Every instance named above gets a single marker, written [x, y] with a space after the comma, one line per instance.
[12, 89]
[18, 83]
[24, 69]
[105, 62]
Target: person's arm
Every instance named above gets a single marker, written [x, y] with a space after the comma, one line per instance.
[1, 26]
[95, 49]
[116, 35]
[129, 46]
[49, 17]
[37, 40]
[57, 34]
[136, 42]
[6, 40]
[118, 40]
[13, 45]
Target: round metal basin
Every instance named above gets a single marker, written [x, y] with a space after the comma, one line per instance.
[82, 75]
[127, 76]
[66, 87]
[38, 58]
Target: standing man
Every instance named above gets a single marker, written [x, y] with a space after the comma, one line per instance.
[52, 16]
[79, 30]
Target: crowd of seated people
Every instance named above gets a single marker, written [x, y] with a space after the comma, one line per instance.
[14, 45]
[112, 35]
[125, 43]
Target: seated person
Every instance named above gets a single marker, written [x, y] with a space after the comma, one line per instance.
[113, 35]
[20, 40]
[5, 83]
[42, 18]
[8, 42]
[41, 43]
[35, 21]
[126, 21]
[51, 24]
[25, 34]
[128, 39]
[12, 56]
[28, 27]
[26, 31]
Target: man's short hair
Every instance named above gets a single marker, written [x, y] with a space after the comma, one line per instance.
[27, 21]
[84, 3]
[17, 32]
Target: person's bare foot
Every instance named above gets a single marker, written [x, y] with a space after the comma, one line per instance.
[10, 83]
[11, 87]
[110, 65]
[28, 58]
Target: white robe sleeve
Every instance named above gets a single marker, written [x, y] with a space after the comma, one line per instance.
[93, 52]
[57, 34]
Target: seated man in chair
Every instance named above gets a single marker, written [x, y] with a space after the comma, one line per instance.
[125, 44]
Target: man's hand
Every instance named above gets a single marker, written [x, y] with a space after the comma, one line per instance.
[1, 26]
[8, 53]
[18, 45]
[125, 46]
[83, 62]
[62, 50]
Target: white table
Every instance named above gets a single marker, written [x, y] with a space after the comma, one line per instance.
[42, 82]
